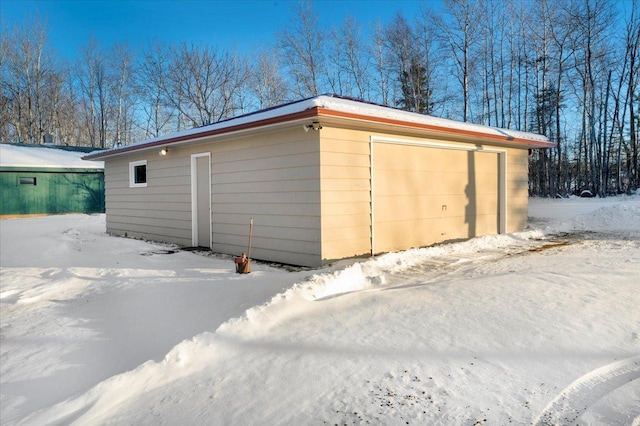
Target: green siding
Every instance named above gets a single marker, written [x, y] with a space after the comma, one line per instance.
[55, 191]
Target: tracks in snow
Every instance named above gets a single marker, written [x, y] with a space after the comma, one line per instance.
[439, 268]
[576, 399]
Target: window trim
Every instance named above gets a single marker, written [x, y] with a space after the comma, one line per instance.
[132, 174]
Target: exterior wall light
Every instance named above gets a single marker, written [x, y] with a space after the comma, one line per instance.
[315, 126]
[163, 152]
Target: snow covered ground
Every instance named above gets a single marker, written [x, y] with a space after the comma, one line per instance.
[541, 327]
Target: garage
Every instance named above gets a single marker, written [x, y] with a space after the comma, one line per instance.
[427, 192]
[321, 179]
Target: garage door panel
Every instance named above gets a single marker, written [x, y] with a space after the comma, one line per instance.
[393, 208]
[425, 182]
[454, 228]
[399, 182]
[404, 234]
[454, 183]
[417, 158]
[487, 204]
[486, 182]
[401, 235]
[423, 195]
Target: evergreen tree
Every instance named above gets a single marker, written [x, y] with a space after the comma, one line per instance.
[416, 93]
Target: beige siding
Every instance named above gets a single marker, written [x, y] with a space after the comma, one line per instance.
[517, 189]
[272, 178]
[345, 193]
[162, 210]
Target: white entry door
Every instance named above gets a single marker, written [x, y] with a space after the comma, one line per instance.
[201, 199]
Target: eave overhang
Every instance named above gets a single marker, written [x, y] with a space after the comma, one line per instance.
[194, 137]
[500, 137]
[316, 109]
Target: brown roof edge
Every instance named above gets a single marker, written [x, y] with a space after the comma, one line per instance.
[528, 143]
[319, 111]
[205, 133]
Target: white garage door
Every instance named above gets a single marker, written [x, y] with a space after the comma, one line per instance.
[425, 194]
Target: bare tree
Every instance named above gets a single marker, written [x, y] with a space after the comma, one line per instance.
[430, 57]
[335, 75]
[347, 64]
[522, 59]
[352, 58]
[382, 80]
[590, 47]
[561, 30]
[93, 82]
[632, 52]
[266, 81]
[203, 83]
[302, 49]
[408, 66]
[67, 113]
[152, 82]
[512, 65]
[498, 62]
[460, 29]
[29, 83]
[549, 30]
[123, 92]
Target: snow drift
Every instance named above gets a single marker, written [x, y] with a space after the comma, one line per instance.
[497, 329]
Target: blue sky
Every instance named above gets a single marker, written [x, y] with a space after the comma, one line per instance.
[240, 24]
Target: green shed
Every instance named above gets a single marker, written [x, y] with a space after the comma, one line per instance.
[41, 179]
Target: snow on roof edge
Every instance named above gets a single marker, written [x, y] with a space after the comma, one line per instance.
[40, 156]
[382, 111]
[331, 102]
[264, 114]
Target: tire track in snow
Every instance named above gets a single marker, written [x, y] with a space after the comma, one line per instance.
[576, 398]
[453, 265]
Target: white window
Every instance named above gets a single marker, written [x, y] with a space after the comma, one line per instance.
[138, 174]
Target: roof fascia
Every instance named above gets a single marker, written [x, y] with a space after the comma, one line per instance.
[191, 137]
[464, 134]
[317, 112]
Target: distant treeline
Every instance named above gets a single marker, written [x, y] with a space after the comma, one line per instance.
[568, 69]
